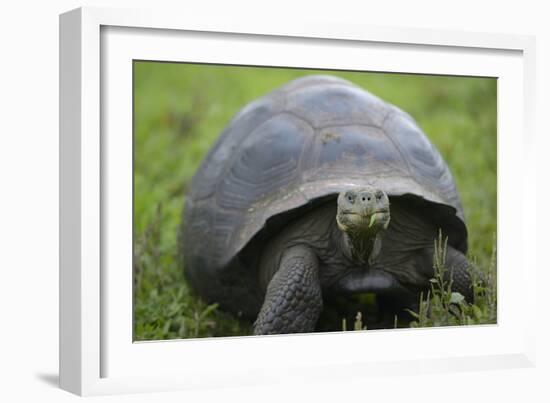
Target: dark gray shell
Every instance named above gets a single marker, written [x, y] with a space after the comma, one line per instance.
[305, 141]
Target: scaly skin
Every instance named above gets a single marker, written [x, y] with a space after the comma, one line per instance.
[293, 299]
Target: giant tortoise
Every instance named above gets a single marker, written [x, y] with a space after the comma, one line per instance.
[319, 188]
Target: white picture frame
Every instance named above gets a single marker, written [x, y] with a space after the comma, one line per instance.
[96, 354]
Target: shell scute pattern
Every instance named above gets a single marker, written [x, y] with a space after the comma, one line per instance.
[304, 141]
[425, 163]
[355, 149]
[336, 104]
[267, 159]
[208, 176]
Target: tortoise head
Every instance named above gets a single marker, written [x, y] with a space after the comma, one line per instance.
[363, 212]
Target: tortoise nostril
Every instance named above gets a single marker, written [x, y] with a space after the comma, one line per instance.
[366, 198]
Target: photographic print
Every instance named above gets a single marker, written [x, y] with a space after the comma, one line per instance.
[283, 200]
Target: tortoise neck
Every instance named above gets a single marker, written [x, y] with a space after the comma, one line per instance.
[361, 247]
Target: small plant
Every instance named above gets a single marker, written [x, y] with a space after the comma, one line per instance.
[357, 325]
[444, 307]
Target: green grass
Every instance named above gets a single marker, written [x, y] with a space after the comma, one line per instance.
[179, 111]
[443, 307]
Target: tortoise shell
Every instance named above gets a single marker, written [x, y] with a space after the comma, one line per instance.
[303, 142]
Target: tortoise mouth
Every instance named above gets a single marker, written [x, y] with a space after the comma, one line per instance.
[366, 215]
[353, 220]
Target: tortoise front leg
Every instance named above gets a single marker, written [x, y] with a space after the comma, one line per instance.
[293, 300]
